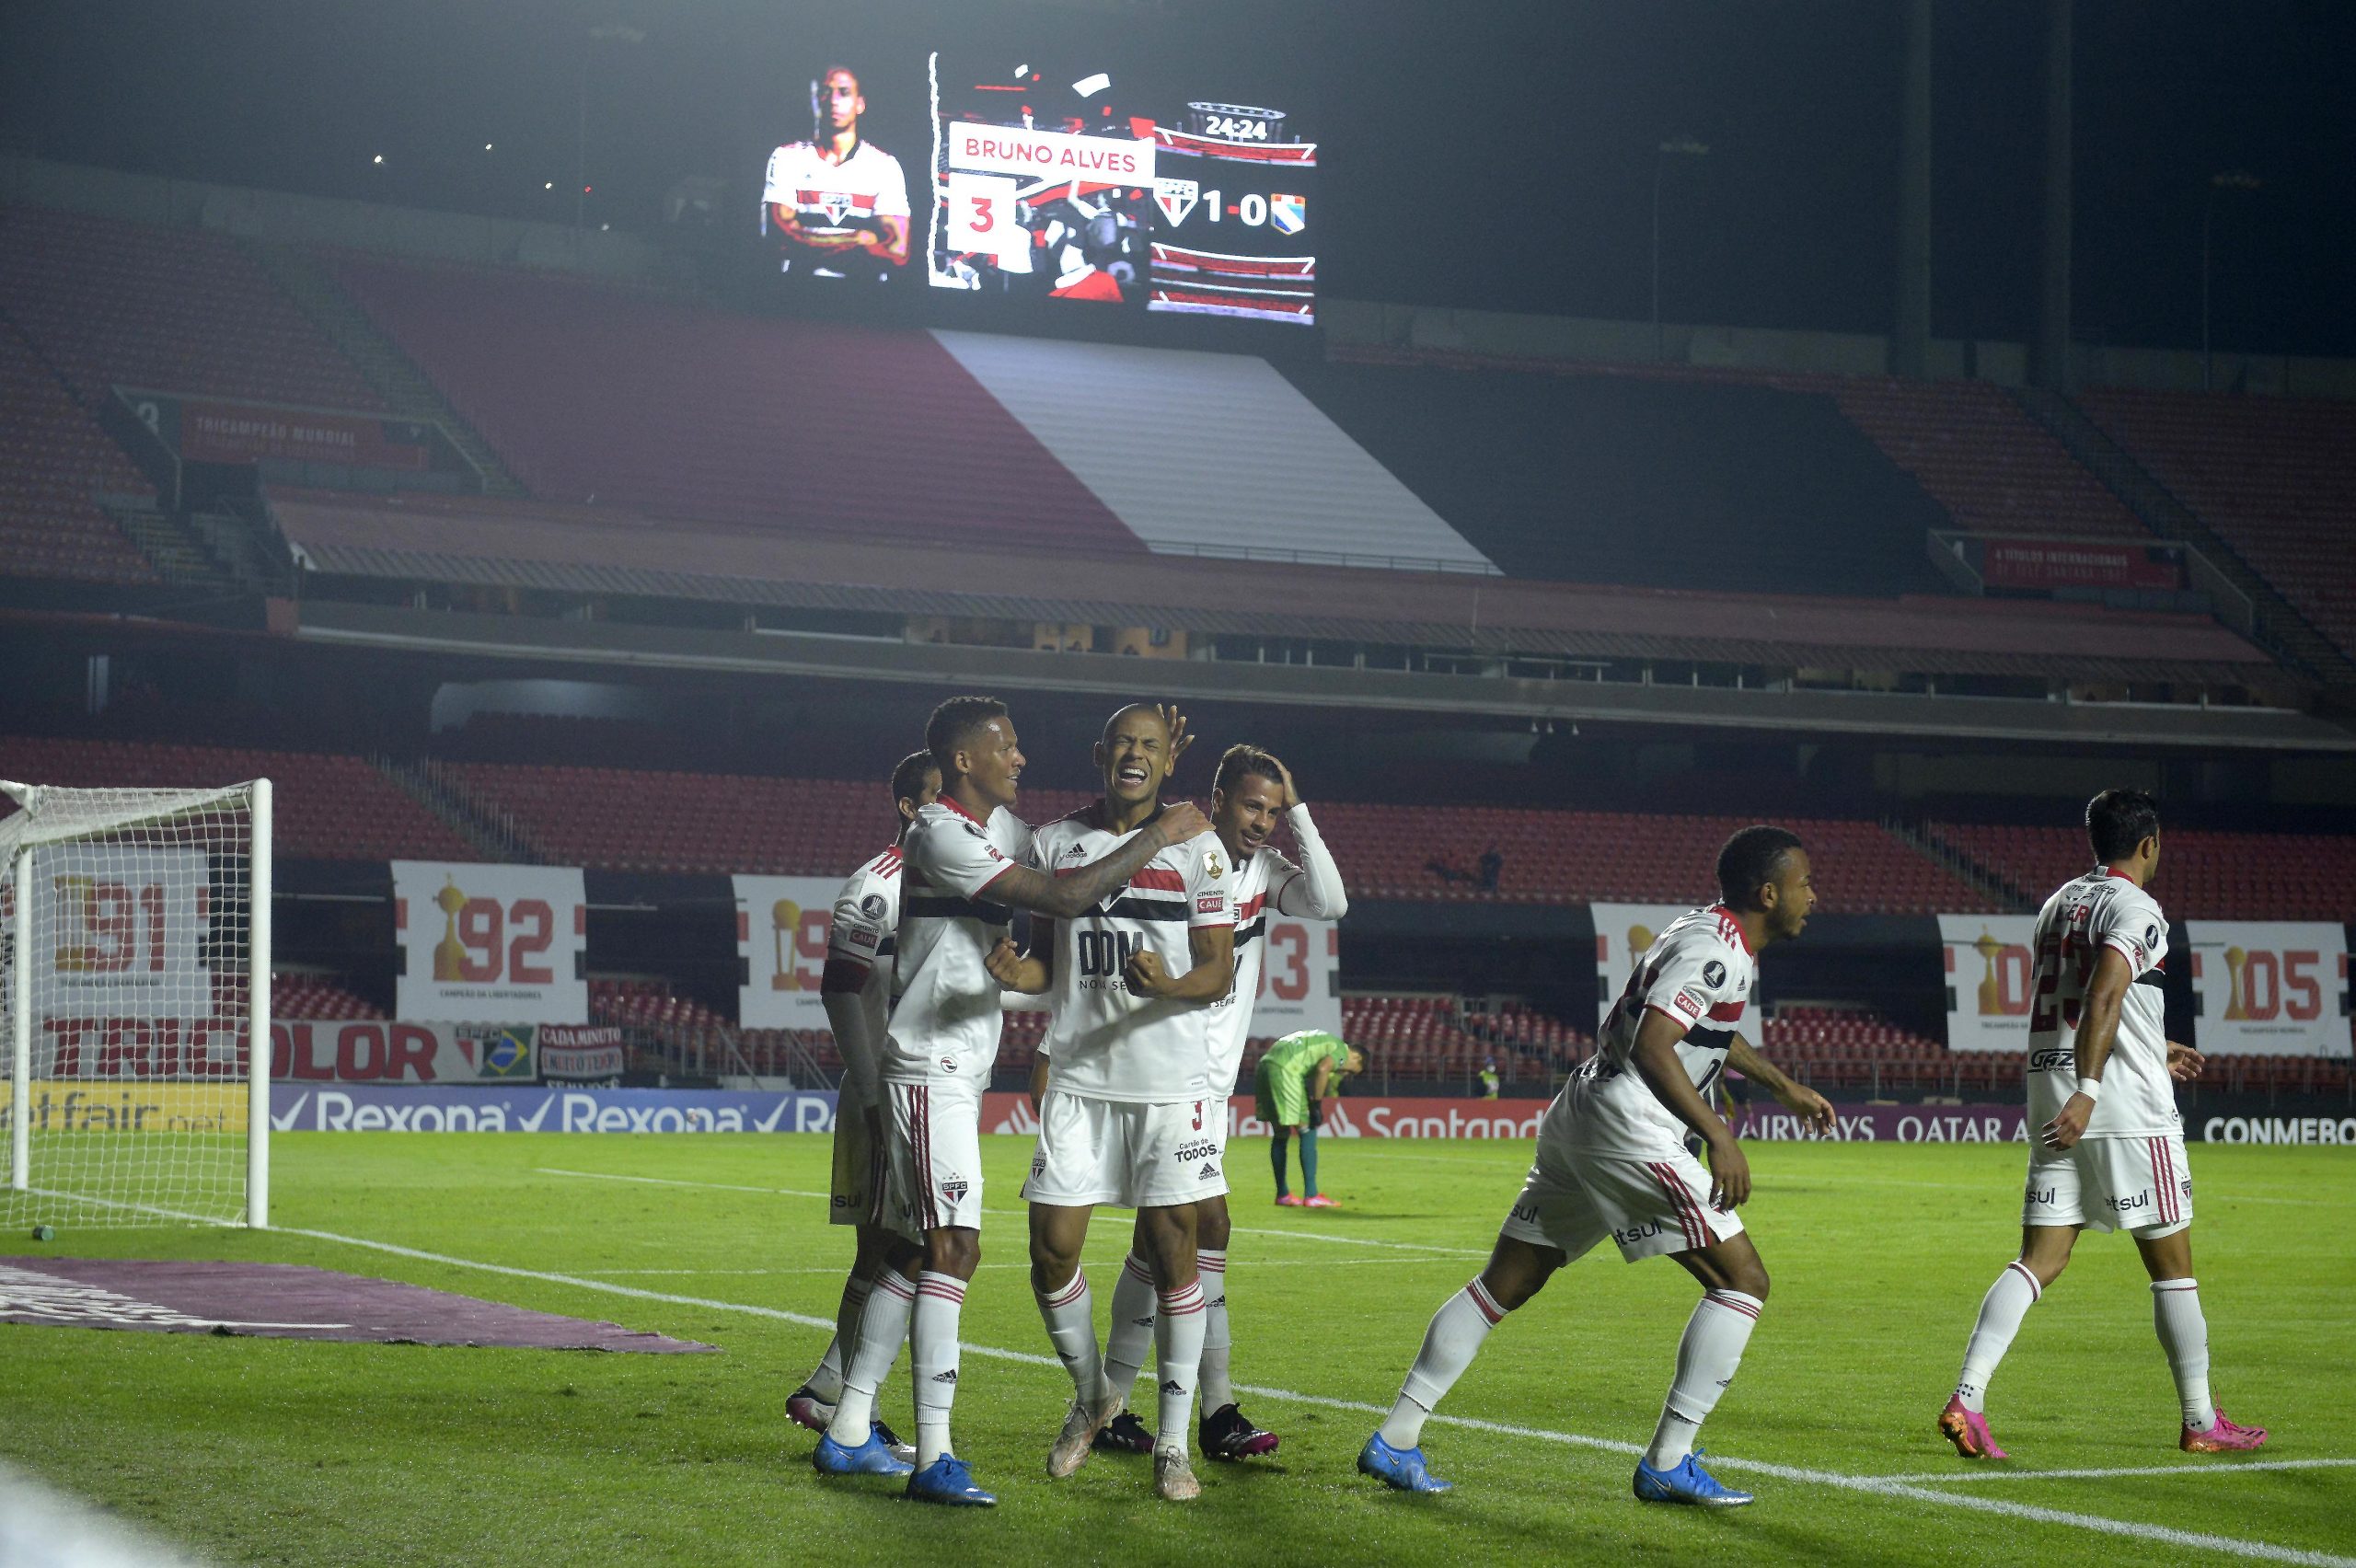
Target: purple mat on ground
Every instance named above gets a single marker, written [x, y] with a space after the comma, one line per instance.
[286, 1301]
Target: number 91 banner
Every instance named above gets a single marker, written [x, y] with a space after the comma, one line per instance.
[490, 944]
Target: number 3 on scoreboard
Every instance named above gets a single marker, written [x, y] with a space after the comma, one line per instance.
[981, 216]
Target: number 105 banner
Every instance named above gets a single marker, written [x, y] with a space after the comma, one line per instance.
[2268, 987]
[490, 944]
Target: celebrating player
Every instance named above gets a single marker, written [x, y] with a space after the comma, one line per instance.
[2110, 1140]
[855, 988]
[1250, 792]
[1129, 1112]
[961, 863]
[1612, 1162]
[837, 198]
[1292, 1081]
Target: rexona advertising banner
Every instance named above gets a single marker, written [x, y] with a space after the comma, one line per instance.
[502, 943]
[1988, 966]
[2268, 987]
[1301, 978]
[361, 1108]
[378, 1051]
[781, 926]
[1622, 932]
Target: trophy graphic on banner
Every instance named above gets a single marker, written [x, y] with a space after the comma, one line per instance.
[1992, 991]
[449, 953]
[2235, 959]
[1639, 939]
[785, 921]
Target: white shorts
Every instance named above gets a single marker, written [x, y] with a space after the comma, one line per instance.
[933, 1166]
[1649, 1206]
[857, 1192]
[2142, 1186]
[1114, 1151]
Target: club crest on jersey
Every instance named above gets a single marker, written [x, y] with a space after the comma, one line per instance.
[871, 906]
[947, 1064]
[1713, 973]
[954, 1190]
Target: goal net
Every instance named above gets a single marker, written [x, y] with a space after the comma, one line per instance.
[134, 991]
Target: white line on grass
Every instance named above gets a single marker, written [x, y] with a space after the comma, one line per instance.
[2190, 1466]
[1874, 1485]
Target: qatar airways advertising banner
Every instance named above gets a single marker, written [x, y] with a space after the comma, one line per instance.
[2266, 988]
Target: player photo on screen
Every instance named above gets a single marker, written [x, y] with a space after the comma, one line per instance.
[836, 206]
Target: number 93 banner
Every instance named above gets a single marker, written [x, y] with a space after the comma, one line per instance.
[490, 944]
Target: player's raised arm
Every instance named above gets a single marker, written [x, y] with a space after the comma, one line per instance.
[1655, 1058]
[1314, 891]
[1793, 1095]
[2097, 1031]
[1065, 898]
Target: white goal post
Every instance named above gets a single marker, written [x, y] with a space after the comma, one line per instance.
[135, 970]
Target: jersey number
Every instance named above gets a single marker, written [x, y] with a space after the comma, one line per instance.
[2056, 1007]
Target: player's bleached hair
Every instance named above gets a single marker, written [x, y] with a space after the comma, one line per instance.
[953, 727]
[2119, 820]
[1243, 760]
[907, 778]
[1749, 860]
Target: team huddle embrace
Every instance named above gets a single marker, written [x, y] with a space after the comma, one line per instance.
[1146, 924]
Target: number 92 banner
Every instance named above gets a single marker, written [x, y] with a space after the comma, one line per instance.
[490, 944]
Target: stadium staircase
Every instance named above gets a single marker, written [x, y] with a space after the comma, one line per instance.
[493, 834]
[1985, 878]
[173, 549]
[397, 379]
[2278, 627]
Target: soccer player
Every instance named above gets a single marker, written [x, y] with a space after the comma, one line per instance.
[1129, 1114]
[856, 988]
[2110, 1140]
[1250, 793]
[1295, 1076]
[837, 198]
[1612, 1162]
[961, 866]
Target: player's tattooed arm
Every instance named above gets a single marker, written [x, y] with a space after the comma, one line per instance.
[2097, 1031]
[1655, 1059]
[1212, 949]
[1029, 973]
[1065, 897]
[1793, 1096]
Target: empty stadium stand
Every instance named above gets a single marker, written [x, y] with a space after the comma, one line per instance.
[297, 998]
[2221, 876]
[327, 808]
[170, 309]
[2276, 477]
[54, 460]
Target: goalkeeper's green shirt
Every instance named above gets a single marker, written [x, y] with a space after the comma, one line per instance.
[1297, 1055]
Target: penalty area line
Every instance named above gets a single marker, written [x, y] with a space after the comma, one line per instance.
[1872, 1485]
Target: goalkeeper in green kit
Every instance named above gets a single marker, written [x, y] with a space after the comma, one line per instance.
[1298, 1071]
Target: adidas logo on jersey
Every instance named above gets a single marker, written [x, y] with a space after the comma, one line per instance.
[1209, 1169]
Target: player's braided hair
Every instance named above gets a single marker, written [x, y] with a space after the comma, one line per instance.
[953, 727]
[1749, 861]
[2119, 820]
[1244, 760]
[907, 778]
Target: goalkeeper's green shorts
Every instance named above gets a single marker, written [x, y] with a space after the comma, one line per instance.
[1281, 1100]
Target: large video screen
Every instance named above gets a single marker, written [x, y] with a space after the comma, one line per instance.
[1026, 177]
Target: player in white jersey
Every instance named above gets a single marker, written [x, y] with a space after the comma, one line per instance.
[2109, 1154]
[838, 204]
[962, 878]
[856, 990]
[1251, 793]
[1613, 1162]
[1129, 1115]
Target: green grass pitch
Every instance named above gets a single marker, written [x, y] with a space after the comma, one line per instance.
[253, 1450]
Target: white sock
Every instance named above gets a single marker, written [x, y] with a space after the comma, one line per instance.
[2000, 1311]
[1070, 1316]
[1457, 1329]
[2183, 1334]
[1178, 1358]
[1707, 1359]
[826, 1382]
[1131, 1335]
[932, 1337]
[882, 1328]
[1218, 1392]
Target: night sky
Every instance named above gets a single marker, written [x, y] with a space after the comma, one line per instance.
[1475, 154]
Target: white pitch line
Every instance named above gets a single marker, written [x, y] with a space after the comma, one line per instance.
[1875, 1485]
[1012, 1214]
[2193, 1467]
